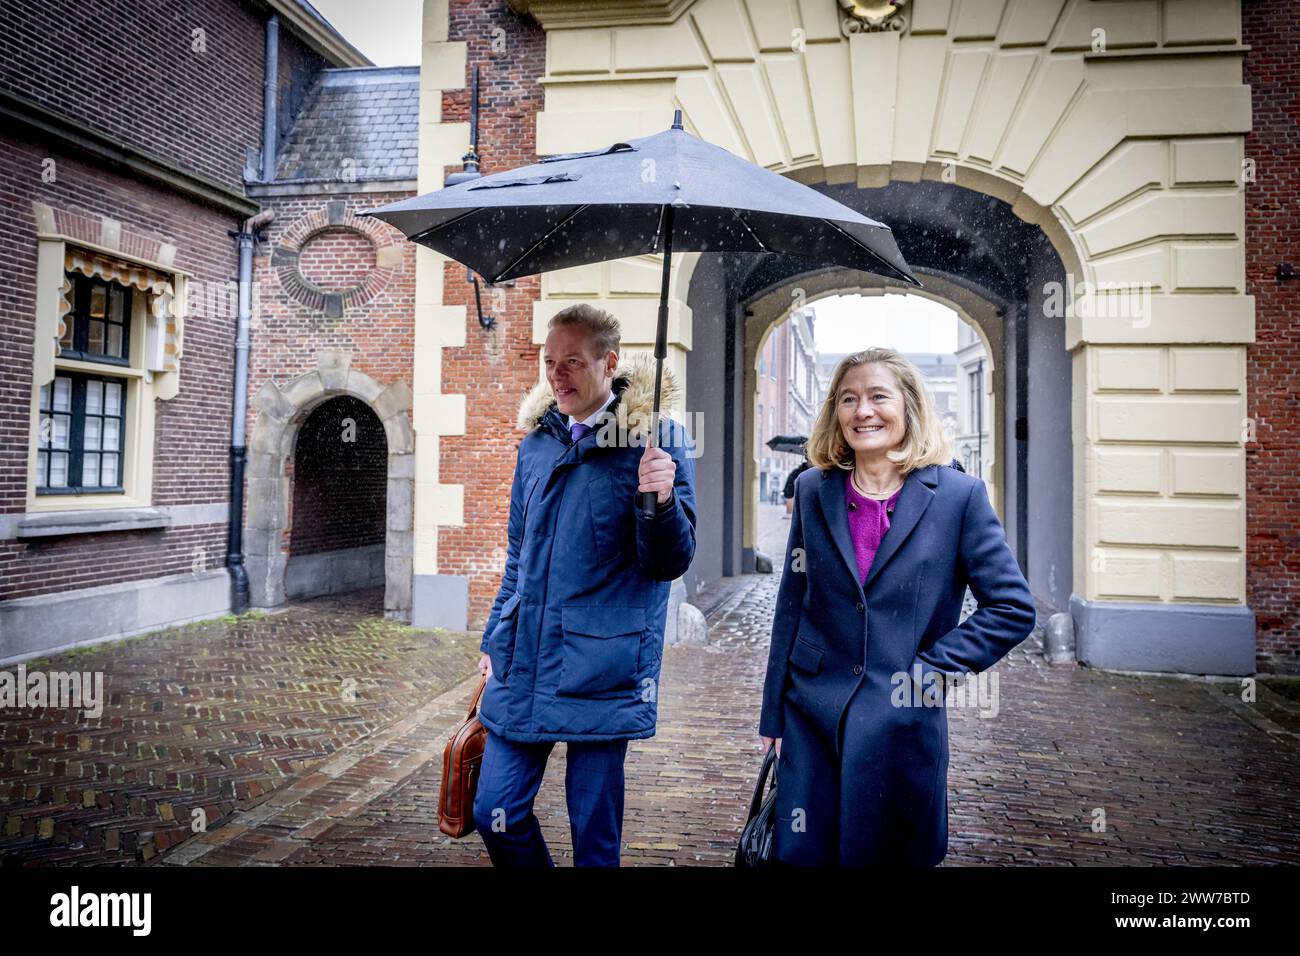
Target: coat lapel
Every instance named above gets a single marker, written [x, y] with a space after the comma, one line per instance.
[917, 493]
[831, 496]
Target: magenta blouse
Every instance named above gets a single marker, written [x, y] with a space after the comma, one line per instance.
[868, 523]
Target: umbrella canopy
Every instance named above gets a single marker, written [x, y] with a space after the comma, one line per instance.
[578, 208]
[791, 443]
[647, 195]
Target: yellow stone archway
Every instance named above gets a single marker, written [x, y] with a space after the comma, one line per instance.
[1116, 127]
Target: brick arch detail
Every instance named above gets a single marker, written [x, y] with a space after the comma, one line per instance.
[281, 411]
[330, 217]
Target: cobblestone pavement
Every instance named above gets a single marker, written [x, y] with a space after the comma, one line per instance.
[209, 718]
[1184, 772]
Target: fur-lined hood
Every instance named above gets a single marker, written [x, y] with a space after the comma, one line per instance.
[634, 390]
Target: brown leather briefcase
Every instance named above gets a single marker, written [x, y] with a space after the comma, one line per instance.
[460, 766]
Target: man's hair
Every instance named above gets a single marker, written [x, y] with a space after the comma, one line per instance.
[603, 330]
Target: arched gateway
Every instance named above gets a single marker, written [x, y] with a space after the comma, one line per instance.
[1067, 173]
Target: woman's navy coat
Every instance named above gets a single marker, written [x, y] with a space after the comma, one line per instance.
[576, 633]
[861, 780]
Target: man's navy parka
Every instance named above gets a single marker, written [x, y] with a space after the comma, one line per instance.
[576, 632]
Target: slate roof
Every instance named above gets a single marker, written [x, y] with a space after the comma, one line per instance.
[360, 122]
[933, 363]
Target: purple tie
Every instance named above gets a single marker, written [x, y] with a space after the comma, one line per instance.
[578, 429]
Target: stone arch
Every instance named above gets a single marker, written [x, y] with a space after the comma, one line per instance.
[996, 287]
[980, 316]
[281, 411]
[1127, 156]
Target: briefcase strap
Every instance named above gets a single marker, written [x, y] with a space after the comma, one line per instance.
[769, 765]
[473, 704]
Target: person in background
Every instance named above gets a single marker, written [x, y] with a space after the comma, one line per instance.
[789, 483]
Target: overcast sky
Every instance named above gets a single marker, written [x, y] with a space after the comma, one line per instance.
[908, 323]
[387, 31]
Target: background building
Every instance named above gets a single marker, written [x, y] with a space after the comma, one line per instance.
[788, 398]
[124, 184]
[972, 415]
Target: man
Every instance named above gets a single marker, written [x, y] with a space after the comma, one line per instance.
[572, 647]
[788, 491]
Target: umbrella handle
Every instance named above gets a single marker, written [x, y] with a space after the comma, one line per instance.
[648, 503]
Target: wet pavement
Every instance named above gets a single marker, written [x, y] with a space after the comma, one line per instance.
[201, 721]
[248, 720]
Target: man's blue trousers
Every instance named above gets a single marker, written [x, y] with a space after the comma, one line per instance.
[509, 778]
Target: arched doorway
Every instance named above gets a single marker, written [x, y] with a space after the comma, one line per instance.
[339, 444]
[337, 513]
[972, 252]
[797, 357]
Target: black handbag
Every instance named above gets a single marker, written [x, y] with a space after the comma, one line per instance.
[755, 848]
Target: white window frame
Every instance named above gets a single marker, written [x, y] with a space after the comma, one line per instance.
[144, 375]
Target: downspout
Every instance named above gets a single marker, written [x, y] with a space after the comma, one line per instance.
[245, 239]
[270, 99]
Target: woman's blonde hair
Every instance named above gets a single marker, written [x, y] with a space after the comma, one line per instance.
[924, 440]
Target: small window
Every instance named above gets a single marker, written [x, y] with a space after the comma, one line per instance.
[98, 329]
[82, 431]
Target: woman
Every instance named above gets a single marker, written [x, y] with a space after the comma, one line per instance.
[884, 539]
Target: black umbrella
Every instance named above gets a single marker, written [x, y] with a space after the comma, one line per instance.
[668, 191]
[796, 444]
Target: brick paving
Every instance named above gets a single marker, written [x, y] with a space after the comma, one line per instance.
[1183, 770]
[214, 717]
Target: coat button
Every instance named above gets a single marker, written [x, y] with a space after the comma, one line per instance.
[860, 607]
[857, 668]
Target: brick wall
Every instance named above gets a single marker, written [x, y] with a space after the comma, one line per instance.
[195, 110]
[131, 68]
[340, 479]
[1272, 30]
[496, 368]
[287, 333]
[289, 328]
[192, 430]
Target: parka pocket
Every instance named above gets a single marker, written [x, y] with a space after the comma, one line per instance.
[601, 654]
[501, 642]
[608, 520]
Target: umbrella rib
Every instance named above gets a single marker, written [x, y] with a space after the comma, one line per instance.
[659, 229]
[443, 225]
[761, 244]
[527, 252]
[858, 242]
